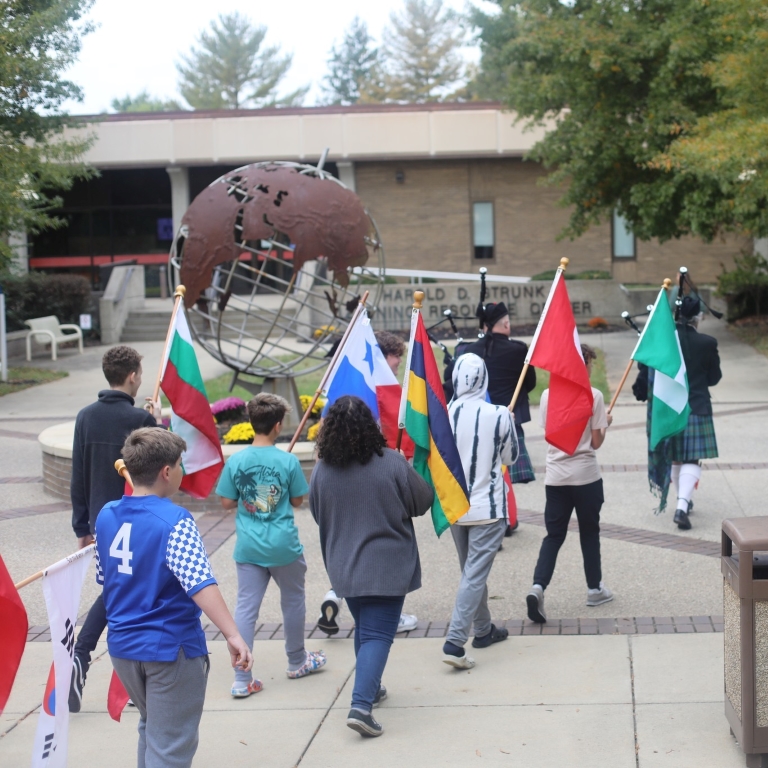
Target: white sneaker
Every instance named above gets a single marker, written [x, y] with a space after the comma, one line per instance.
[599, 596]
[535, 602]
[407, 622]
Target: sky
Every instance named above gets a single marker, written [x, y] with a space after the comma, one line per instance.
[137, 43]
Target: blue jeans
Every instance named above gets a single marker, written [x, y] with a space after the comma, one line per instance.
[376, 620]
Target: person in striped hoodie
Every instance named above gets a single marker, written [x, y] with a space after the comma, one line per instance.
[486, 438]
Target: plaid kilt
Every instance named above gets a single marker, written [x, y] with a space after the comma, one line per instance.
[696, 441]
[522, 470]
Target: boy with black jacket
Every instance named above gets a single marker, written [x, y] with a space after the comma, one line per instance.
[100, 431]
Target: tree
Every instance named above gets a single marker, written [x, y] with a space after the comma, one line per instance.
[231, 70]
[729, 147]
[619, 82]
[421, 47]
[352, 66]
[39, 39]
[143, 102]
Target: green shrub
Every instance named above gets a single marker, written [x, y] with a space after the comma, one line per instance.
[587, 274]
[37, 295]
[745, 287]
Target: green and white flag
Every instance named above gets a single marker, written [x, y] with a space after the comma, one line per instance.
[659, 348]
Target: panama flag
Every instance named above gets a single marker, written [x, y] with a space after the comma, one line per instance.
[362, 370]
[191, 416]
[62, 585]
[556, 348]
[659, 348]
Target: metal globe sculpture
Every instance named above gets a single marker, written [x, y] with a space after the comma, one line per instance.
[274, 257]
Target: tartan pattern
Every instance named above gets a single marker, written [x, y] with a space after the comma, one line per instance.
[522, 470]
[696, 441]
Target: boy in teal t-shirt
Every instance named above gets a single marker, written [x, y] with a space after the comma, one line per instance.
[264, 484]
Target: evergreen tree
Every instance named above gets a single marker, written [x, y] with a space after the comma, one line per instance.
[143, 102]
[421, 46]
[231, 70]
[39, 40]
[352, 66]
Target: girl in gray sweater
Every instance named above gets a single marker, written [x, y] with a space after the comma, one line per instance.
[363, 497]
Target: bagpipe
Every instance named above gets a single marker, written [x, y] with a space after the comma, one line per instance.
[448, 358]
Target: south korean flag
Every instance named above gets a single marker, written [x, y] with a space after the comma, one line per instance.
[62, 585]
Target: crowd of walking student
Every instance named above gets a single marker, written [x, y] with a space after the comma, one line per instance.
[363, 495]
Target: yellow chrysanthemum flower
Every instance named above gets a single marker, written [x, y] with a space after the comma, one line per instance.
[312, 432]
[240, 433]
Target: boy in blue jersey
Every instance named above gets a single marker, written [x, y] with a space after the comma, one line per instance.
[264, 484]
[152, 562]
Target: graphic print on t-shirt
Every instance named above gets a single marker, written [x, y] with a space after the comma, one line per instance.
[260, 489]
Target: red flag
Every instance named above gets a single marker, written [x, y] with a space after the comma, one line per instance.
[556, 348]
[511, 500]
[117, 697]
[13, 636]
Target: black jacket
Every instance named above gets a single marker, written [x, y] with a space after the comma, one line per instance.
[504, 359]
[702, 364]
[100, 431]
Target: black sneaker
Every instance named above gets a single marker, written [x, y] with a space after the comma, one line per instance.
[364, 724]
[496, 635]
[329, 610]
[79, 671]
[380, 696]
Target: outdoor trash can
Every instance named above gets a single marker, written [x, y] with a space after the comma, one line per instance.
[744, 564]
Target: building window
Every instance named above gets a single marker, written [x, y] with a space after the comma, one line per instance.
[482, 230]
[623, 238]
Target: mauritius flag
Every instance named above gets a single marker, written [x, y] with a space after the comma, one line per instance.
[362, 370]
[659, 348]
[191, 416]
[424, 415]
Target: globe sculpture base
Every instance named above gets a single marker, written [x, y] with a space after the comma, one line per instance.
[285, 386]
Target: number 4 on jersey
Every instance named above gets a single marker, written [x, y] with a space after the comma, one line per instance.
[121, 548]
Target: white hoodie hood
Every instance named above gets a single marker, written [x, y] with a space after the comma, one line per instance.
[486, 438]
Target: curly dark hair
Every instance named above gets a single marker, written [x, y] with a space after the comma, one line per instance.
[390, 343]
[119, 363]
[349, 433]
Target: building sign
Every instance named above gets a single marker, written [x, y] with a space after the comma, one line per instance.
[525, 301]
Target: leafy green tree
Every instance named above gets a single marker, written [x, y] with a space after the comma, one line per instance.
[351, 66]
[729, 146]
[421, 49]
[231, 70]
[143, 102]
[39, 40]
[619, 83]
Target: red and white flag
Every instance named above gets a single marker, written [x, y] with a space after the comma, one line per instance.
[556, 348]
[62, 585]
[13, 637]
[191, 416]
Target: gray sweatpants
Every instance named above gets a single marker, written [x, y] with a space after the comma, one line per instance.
[477, 546]
[169, 696]
[252, 583]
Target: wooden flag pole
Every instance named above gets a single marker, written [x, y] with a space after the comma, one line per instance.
[563, 266]
[178, 296]
[418, 300]
[323, 381]
[666, 285]
[122, 470]
[40, 574]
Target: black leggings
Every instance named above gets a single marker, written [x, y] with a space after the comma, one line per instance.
[561, 500]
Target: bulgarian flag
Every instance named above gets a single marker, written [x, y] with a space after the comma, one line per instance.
[191, 416]
[556, 348]
[659, 348]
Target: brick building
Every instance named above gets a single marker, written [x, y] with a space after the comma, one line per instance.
[446, 184]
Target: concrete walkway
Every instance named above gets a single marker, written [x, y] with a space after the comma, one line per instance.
[545, 701]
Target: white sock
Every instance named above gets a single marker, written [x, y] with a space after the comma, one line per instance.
[690, 474]
[595, 591]
[676, 478]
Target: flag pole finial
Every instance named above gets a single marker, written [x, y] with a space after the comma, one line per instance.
[180, 291]
[564, 262]
[667, 284]
[418, 299]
